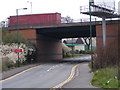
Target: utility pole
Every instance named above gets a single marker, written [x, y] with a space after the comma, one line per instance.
[90, 3]
[18, 32]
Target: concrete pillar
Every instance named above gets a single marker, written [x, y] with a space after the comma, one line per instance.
[119, 7]
[104, 31]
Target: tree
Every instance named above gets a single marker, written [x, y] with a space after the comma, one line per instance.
[5, 31]
[87, 41]
[67, 19]
[12, 37]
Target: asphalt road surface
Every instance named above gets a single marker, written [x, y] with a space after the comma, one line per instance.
[44, 76]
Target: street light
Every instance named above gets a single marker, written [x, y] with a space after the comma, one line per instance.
[30, 5]
[91, 2]
[17, 29]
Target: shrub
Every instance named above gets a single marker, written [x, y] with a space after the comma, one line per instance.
[10, 42]
[68, 54]
[10, 58]
[107, 56]
[86, 52]
[76, 51]
[13, 37]
[82, 52]
[32, 52]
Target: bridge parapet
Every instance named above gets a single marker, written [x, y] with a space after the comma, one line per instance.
[64, 25]
[55, 25]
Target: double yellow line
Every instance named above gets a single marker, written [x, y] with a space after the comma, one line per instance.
[67, 80]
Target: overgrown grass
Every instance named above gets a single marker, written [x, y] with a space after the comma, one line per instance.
[106, 78]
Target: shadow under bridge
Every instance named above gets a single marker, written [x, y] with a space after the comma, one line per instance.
[67, 31]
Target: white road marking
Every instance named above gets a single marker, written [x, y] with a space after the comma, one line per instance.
[53, 67]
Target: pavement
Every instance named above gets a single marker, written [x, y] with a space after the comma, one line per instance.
[82, 78]
[15, 71]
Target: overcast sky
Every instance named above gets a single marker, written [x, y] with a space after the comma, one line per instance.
[65, 7]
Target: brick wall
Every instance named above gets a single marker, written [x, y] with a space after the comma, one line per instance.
[28, 34]
[49, 48]
[113, 35]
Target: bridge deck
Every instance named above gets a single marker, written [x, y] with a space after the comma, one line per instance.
[55, 25]
[66, 30]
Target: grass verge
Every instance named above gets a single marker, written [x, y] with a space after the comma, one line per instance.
[106, 78]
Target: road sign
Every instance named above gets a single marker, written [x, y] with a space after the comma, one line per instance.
[18, 50]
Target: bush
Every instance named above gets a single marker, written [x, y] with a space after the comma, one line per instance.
[10, 59]
[107, 56]
[82, 52]
[32, 52]
[13, 37]
[67, 55]
[86, 52]
[77, 52]
[10, 43]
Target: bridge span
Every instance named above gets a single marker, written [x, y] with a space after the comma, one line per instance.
[48, 37]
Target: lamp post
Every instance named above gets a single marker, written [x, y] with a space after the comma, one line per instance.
[72, 48]
[17, 31]
[30, 5]
[90, 3]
